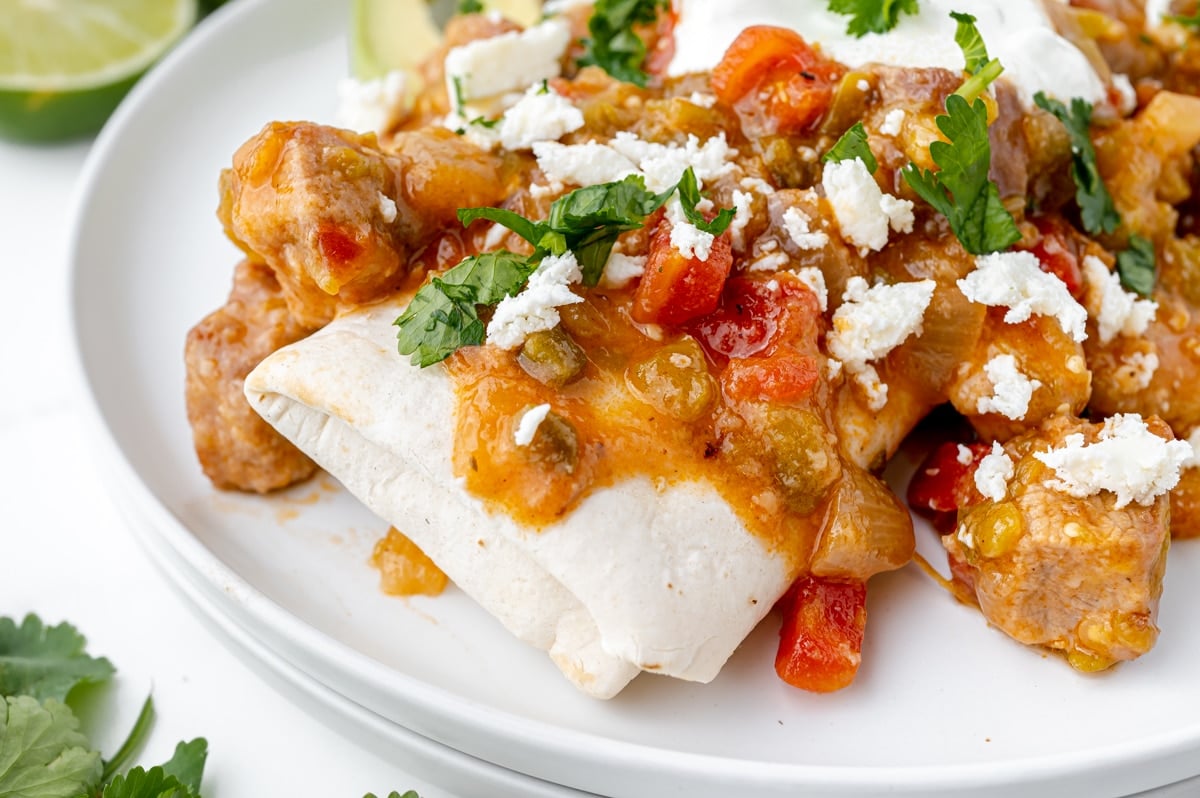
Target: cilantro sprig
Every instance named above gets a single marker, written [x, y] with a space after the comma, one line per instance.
[444, 314]
[613, 45]
[42, 752]
[852, 144]
[1096, 208]
[961, 190]
[872, 16]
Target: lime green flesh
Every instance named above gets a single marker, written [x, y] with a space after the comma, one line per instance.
[65, 64]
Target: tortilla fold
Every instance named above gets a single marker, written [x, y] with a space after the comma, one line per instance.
[639, 576]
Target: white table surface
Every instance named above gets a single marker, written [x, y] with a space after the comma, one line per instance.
[66, 554]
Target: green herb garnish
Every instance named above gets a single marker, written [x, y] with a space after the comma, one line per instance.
[444, 314]
[1192, 21]
[982, 70]
[1095, 204]
[1135, 266]
[45, 661]
[852, 144]
[469, 7]
[42, 752]
[961, 190]
[613, 46]
[872, 16]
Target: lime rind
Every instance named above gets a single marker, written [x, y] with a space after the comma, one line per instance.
[78, 64]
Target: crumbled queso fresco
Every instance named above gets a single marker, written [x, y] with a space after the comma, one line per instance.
[1128, 460]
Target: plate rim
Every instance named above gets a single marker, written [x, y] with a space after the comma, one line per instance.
[1164, 753]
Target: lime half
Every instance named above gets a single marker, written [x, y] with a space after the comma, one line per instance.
[65, 64]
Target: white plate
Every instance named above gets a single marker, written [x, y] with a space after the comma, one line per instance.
[943, 704]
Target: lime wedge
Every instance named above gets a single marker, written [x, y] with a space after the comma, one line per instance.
[65, 64]
[388, 35]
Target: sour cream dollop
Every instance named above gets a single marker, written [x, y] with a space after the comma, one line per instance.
[1018, 32]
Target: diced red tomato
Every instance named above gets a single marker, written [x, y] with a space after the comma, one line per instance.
[775, 80]
[1057, 254]
[944, 484]
[674, 288]
[785, 376]
[820, 642]
[753, 318]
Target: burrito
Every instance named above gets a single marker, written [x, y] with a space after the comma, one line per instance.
[636, 577]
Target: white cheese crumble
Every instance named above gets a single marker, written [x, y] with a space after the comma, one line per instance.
[527, 426]
[371, 106]
[620, 270]
[1127, 459]
[387, 208]
[892, 122]
[585, 164]
[863, 212]
[741, 217]
[540, 115]
[814, 279]
[507, 62]
[964, 455]
[703, 100]
[535, 308]
[797, 224]
[1014, 280]
[769, 262]
[1116, 311]
[660, 164]
[664, 164]
[871, 322]
[993, 473]
[1011, 389]
[691, 241]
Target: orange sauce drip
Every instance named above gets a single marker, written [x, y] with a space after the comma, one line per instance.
[405, 570]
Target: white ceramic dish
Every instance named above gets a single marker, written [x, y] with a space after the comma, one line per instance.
[943, 704]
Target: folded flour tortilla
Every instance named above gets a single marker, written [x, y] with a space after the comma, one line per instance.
[636, 577]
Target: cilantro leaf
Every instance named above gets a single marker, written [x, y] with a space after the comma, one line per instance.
[689, 198]
[152, 783]
[443, 315]
[469, 7]
[590, 219]
[1095, 204]
[586, 221]
[613, 45]
[1135, 266]
[187, 763]
[961, 190]
[42, 752]
[983, 70]
[1192, 21]
[872, 16]
[45, 661]
[852, 144]
[394, 794]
